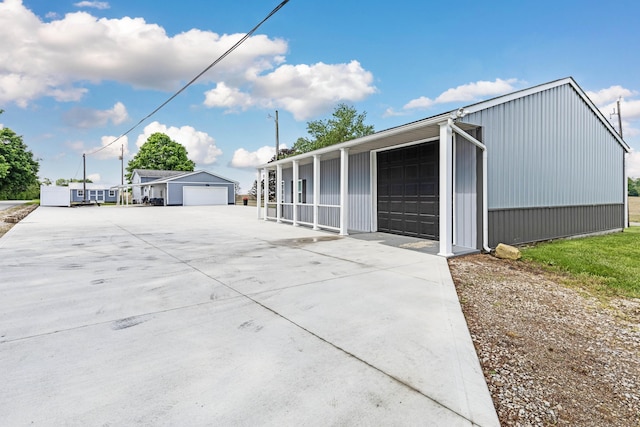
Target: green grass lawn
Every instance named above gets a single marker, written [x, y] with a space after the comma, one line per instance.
[608, 265]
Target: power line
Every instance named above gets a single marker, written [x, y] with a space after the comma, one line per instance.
[214, 63]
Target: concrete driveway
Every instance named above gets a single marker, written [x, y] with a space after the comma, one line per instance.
[208, 316]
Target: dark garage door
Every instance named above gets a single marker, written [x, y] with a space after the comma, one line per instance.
[408, 201]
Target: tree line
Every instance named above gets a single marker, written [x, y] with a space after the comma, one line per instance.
[633, 187]
[18, 168]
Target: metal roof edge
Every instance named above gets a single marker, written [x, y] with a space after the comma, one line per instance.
[171, 178]
[429, 121]
[483, 105]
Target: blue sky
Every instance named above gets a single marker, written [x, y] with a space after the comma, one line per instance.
[76, 74]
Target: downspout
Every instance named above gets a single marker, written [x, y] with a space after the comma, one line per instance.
[485, 206]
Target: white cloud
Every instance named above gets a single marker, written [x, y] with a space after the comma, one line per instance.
[63, 57]
[227, 97]
[476, 91]
[469, 92]
[94, 177]
[85, 118]
[612, 93]
[251, 159]
[112, 150]
[56, 58]
[303, 90]
[422, 102]
[95, 4]
[200, 146]
[633, 164]
[630, 109]
[390, 112]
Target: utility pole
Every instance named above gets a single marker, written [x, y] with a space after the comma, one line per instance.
[84, 178]
[617, 113]
[122, 164]
[277, 134]
[121, 190]
[277, 138]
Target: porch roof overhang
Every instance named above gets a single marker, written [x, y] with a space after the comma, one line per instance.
[416, 131]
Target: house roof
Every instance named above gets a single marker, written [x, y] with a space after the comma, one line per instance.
[187, 174]
[90, 186]
[155, 173]
[427, 128]
[177, 175]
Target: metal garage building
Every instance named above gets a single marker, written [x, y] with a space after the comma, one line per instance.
[532, 165]
[171, 188]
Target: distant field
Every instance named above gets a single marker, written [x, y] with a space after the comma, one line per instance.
[634, 209]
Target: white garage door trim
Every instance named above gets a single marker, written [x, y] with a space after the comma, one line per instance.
[204, 196]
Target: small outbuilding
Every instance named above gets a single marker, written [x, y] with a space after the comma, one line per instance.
[77, 193]
[176, 188]
[537, 164]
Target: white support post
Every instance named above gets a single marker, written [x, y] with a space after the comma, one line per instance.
[344, 191]
[446, 190]
[624, 187]
[279, 193]
[316, 189]
[295, 192]
[258, 194]
[265, 187]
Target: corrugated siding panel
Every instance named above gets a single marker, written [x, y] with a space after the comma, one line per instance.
[360, 192]
[549, 149]
[305, 213]
[330, 182]
[515, 226]
[329, 216]
[306, 172]
[465, 194]
[287, 177]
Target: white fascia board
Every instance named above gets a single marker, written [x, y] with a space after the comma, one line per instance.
[362, 140]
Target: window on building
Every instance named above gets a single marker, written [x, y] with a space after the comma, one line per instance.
[302, 191]
[80, 193]
[112, 193]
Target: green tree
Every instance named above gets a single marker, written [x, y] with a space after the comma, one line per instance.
[18, 168]
[344, 125]
[272, 188]
[62, 182]
[633, 187]
[160, 152]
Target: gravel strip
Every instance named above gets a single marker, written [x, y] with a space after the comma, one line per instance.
[551, 355]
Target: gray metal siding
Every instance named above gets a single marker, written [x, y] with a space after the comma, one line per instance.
[465, 194]
[549, 149]
[360, 192]
[92, 196]
[330, 182]
[306, 172]
[287, 177]
[516, 226]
